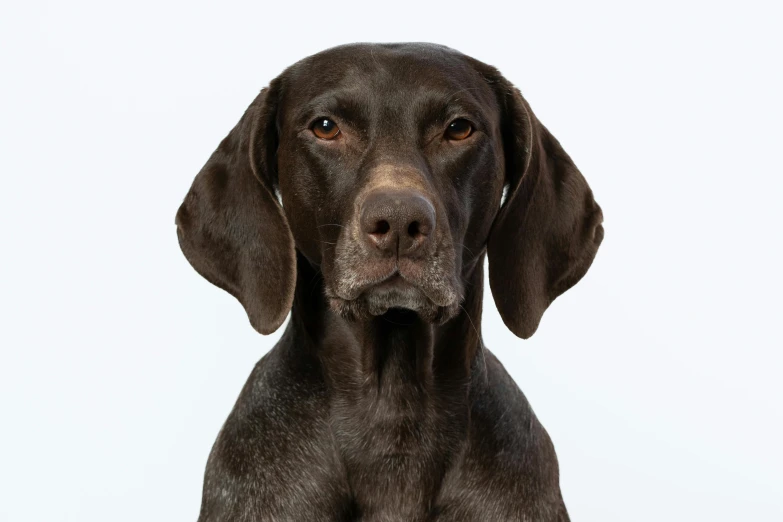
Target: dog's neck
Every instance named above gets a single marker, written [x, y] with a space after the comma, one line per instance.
[398, 390]
[396, 349]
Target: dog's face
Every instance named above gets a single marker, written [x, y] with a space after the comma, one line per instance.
[390, 162]
[390, 169]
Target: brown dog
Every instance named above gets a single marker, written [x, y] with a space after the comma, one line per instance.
[361, 191]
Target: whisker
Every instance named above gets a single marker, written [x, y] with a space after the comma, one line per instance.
[471, 321]
[313, 281]
[466, 248]
[481, 344]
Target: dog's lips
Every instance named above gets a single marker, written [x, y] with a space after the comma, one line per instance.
[353, 288]
[395, 292]
[395, 280]
[394, 284]
[367, 288]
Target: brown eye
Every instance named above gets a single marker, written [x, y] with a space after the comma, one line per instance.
[325, 129]
[459, 130]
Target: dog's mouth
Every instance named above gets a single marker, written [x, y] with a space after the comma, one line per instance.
[395, 295]
[394, 292]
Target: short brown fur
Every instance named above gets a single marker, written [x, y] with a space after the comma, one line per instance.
[381, 402]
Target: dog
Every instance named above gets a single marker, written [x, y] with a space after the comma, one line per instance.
[361, 191]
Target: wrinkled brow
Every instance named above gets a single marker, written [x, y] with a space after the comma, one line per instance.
[430, 107]
[439, 108]
[351, 107]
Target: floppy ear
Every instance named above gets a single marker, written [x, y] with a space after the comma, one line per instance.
[548, 230]
[231, 227]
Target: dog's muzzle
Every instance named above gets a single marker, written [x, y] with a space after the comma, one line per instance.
[393, 257]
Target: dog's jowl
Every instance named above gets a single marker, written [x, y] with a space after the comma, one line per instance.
[361, 191]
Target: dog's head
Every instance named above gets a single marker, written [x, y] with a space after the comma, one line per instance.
[397, 166]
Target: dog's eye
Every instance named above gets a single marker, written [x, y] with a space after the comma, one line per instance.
[459, 130]
[325, 129]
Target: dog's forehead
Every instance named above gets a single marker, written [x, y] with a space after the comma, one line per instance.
[385, 72]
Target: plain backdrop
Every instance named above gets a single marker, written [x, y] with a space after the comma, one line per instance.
[658, 376]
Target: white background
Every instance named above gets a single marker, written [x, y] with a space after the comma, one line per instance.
[658, 376]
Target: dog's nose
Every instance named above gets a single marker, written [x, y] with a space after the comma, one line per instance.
[397, 221]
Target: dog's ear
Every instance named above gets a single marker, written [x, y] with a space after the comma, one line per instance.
[231, 227]
[548, 229]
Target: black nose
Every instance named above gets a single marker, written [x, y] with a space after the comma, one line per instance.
[397, 221]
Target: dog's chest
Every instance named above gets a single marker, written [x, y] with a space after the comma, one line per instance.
[396, 448]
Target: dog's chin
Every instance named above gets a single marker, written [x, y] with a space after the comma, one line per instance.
[393, 298]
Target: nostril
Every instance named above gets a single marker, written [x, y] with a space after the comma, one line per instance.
[396, 222]
[381, 227]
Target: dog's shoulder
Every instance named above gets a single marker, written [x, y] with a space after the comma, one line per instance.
[275, 449]
[509, 468]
